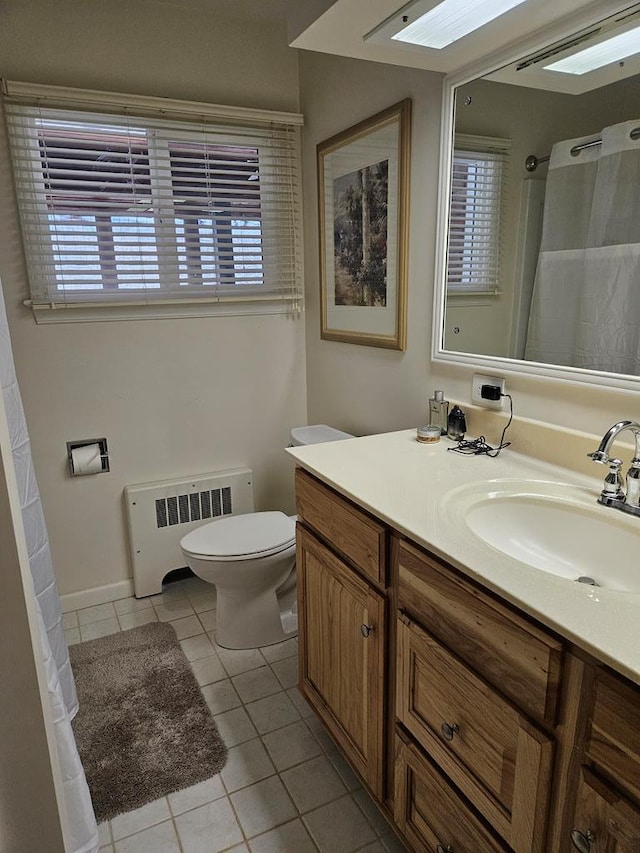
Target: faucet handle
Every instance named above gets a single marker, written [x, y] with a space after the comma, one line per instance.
[613, 485]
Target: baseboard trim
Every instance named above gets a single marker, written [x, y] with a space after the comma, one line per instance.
[96, 595]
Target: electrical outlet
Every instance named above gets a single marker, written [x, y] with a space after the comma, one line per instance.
[479, 379]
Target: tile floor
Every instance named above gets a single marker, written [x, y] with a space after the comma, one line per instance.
[285, 787]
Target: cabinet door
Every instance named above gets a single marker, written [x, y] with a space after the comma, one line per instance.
[342, 626]
[604, 822]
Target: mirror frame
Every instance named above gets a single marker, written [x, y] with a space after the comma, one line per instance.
[499, 364]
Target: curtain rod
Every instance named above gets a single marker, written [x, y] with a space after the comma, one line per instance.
[532, 162]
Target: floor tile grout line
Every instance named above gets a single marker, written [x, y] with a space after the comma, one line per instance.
[366, 817]
[277, 825]
[237, 817]
[144, 828]
[325, 749]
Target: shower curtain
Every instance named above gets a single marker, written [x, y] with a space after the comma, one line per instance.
[585, 309]
[82, 831]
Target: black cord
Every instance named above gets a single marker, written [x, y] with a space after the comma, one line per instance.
[479, 447]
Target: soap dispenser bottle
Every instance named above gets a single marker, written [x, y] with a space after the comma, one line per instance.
[439, 411]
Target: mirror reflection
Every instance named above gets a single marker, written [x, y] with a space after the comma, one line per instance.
[544, 261]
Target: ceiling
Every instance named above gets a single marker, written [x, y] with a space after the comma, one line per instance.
[340, 26]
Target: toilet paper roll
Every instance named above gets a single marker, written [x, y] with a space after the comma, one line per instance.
[86, 459]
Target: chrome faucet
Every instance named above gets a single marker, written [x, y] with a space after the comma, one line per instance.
[624, 496]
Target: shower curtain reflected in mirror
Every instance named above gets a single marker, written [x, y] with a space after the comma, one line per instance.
[585, 308]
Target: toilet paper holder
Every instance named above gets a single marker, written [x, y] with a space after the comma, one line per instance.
[83, 442]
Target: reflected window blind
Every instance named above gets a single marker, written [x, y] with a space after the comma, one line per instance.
[125, 208]
[477, 190]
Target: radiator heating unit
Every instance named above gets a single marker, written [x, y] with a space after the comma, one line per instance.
[159, 514]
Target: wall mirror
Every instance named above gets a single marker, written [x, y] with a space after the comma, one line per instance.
[539, 243]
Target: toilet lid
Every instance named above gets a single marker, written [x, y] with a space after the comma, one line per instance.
[242, 535]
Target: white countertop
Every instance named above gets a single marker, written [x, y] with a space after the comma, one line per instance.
[414, 488]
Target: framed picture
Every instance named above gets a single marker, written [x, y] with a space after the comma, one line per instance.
[363, 195]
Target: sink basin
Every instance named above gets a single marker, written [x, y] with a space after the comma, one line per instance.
[556, 528]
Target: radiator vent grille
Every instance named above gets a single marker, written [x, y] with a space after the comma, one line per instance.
[161, 513]
[197, 506]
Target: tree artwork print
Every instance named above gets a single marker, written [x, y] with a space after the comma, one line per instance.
[360, 201]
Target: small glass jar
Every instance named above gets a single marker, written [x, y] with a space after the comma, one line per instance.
[428, 434]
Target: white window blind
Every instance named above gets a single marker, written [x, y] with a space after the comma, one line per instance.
[477, 190]
[126, 208]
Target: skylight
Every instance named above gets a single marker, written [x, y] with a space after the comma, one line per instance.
[613, 49]
[450, 20]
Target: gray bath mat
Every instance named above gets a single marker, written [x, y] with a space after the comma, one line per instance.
[143, 729]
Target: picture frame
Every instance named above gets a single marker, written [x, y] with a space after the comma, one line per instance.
[363, 205]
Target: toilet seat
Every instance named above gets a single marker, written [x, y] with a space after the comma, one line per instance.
[241, 537]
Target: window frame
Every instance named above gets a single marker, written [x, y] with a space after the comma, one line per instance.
[199, 300]
[490, 149]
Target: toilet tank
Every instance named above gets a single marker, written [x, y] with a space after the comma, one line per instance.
[316, 434]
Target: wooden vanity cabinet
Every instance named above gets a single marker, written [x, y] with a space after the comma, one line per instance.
[478, 728]
[342, 626]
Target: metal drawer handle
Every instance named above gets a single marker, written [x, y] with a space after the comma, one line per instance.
[365, 630]
[448, 731]
[582, 840]
[441, 849]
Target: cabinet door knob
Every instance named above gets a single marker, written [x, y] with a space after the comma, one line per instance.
[582, 840]
[448, 730]
[365, 630]
[441, 849]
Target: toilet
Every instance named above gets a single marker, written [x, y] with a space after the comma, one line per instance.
[250, 559]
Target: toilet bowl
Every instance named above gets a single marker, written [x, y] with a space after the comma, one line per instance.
[250, 559]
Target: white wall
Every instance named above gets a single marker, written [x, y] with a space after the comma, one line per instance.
[173, 397]
[363, 389]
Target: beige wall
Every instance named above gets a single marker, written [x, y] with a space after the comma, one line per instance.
[173, 397]
[223, 52]
[367, 390]
[179, 397]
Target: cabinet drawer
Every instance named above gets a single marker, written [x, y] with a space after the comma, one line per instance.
[491, 752]
[614, 736]
[429, 811]
[356, 535]
[521, 660]
[604, 819]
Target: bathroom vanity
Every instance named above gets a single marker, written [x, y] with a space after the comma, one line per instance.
[487, 703]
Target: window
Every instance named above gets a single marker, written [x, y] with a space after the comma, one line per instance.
[473, 264]
[124, 209]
